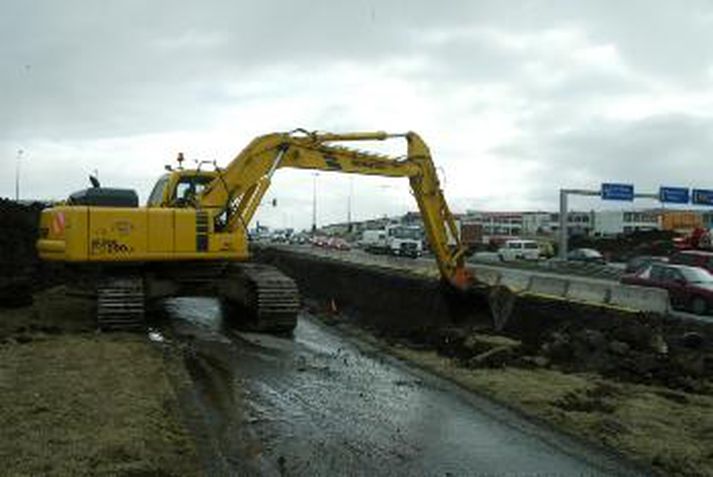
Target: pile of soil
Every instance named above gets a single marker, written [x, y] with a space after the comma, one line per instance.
[21, 271]
[18, 233]
[628, 347]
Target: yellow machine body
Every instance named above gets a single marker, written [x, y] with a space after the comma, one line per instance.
[140, 234]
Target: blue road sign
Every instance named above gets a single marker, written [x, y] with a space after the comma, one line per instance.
[702, 196]
[675, 195]
[617, 191]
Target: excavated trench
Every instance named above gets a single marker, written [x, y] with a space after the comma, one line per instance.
[320, 403]
[416, 310]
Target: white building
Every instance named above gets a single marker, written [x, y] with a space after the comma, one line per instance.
[578, 223]
[615, 222]
[536, 223]
[528, 224]
[496, 224]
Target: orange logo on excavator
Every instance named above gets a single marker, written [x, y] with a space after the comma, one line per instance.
[58, 224]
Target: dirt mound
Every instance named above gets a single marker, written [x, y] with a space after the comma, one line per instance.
[21, 271]
[18, 233]
[635, 348]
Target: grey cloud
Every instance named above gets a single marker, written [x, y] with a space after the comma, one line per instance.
[74, 71]
[112, 68]
[662, 150]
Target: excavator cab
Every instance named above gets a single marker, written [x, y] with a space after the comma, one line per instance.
[180, 188]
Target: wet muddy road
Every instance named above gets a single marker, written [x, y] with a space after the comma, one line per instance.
[324, 404]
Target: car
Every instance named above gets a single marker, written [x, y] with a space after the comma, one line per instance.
[694, 258]
[689, 288]
[588, 255]
[319, 241]
[519, 250]
[337, 243]
[642, 261]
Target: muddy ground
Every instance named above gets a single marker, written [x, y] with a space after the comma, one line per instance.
[668, 429]
[74, 402]
[324, 402]
[641, 384]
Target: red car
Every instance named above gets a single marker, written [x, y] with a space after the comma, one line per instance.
[689, 288]
[320, 241]
[337, 243]
[694, 258]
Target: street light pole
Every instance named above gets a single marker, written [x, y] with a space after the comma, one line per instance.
[17, 175]
[349, 204]
[314, 202]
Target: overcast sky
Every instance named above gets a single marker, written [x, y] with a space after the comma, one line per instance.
[516, 99]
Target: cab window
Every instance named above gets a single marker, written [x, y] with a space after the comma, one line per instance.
[188, 188]
[157, 192]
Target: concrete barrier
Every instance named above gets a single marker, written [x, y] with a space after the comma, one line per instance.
[548, 285]
[588, 292]
[640, 298]
[488, 277]
[516, 282]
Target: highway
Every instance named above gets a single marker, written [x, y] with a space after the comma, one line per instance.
[514, 272]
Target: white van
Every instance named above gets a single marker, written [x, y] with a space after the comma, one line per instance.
[519, 250]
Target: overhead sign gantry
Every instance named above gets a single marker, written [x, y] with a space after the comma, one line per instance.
[626, 193]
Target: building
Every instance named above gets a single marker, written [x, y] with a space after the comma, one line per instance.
[536, 224]
[578, 223]
[527, 224]
[499, 224]
[617, 222]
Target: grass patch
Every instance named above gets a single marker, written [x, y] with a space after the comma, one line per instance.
[53, 311]
[83, 403]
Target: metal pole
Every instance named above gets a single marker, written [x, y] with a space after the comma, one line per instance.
[314, 202]
[349, 204]
[562, 253]
[17, 175]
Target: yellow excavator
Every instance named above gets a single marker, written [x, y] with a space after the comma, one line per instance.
[191, 238]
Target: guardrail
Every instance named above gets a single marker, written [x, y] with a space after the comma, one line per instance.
[631, 297]
[561, 267]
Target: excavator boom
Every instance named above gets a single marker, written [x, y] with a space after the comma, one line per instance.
[239, 188]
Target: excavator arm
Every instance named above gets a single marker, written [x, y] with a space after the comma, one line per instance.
[239, 187]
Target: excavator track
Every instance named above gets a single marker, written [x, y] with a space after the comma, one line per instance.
[120, 304]
[269, 300]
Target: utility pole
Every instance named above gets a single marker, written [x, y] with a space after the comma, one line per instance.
[20, 152]
[314, 202]
[349, 204]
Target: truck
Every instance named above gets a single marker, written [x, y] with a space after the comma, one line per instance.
[191, 237]
[471, 235]
[400, 240]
